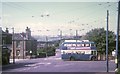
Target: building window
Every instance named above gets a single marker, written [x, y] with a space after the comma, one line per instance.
[17, 44]
[17, 52]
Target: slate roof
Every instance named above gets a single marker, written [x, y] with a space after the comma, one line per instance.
[20, 36]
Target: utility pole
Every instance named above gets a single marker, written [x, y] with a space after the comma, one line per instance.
[117, 37]
[107, 63]
[46, 45]
[13, 47]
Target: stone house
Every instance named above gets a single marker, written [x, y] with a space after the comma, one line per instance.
[24, 43]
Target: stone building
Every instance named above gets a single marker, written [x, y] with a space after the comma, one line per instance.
[24, 43]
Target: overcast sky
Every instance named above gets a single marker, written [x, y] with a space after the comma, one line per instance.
[65, 16]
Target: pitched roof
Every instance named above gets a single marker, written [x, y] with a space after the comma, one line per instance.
[18, 36]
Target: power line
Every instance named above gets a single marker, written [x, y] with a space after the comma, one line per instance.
[95, 12]
[29, 11]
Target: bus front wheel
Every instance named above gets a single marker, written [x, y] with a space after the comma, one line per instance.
[72, 58]
[93, 58]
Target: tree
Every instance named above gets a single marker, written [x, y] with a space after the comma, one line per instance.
[98, 35]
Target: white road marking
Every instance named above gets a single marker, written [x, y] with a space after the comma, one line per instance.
[44, 63]
[48, 63]
[52, 58]
[27, 68]
[32, 65]
[62, 65]
[35, 67]
[24, 69]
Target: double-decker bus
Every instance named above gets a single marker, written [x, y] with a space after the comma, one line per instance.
[78, 50]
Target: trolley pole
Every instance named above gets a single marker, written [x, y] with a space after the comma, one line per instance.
[107, 63]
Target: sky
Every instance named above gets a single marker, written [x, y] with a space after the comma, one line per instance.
[49, 18]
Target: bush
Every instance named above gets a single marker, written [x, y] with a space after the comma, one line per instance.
[41, 55]
[49, 50]
[5, 60]
[118, 71]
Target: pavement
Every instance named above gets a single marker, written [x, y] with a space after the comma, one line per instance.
[17, 63]
[16, 60]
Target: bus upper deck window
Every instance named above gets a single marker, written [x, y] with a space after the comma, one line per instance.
[87, 45]
[73, 45]
[69, 45]
[83, 45]
[79, 45]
